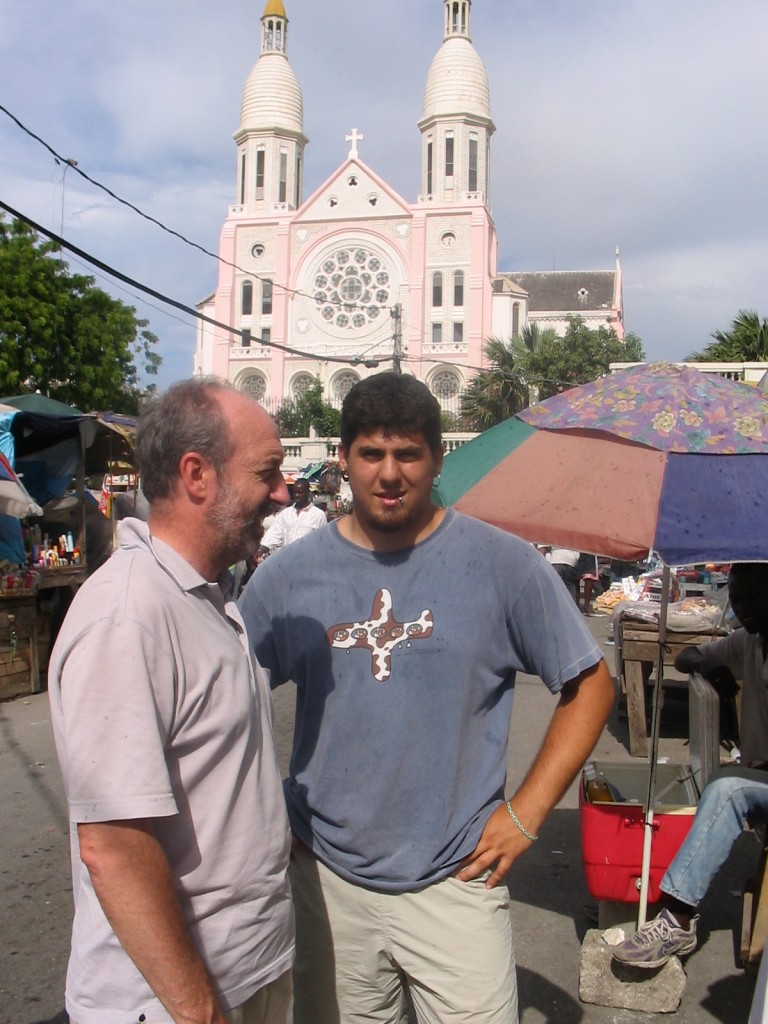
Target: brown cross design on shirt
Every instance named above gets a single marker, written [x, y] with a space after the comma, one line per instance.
[380, 634]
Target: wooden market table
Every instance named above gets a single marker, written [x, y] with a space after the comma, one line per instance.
[637, 653]
[19, 661]
[27, 623]
[72, 576]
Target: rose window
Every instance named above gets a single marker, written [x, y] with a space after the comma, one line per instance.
[351, 288]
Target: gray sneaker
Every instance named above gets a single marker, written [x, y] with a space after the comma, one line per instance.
[658, 940]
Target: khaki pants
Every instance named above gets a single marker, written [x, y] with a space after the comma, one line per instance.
[267, 1006]
[357, 950]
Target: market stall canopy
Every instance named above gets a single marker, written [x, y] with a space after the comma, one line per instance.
[113, 447]
[326, 475]
[47, 448]
[311, 472]
[35, 402]
[655, 458]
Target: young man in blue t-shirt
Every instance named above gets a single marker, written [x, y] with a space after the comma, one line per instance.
[403, 626]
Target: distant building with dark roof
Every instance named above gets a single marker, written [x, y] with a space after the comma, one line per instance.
[548, 297]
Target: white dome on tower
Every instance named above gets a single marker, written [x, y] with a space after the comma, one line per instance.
[272, 95]
[457, 82]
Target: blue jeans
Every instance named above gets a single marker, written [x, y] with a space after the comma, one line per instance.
[732, 798]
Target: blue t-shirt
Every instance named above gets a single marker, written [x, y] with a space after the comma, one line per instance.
[405, 668]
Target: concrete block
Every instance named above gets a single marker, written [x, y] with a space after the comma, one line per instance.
[605, 982]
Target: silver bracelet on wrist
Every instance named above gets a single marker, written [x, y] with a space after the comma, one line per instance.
[520, 825]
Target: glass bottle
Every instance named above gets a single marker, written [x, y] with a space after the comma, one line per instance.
[595, 785]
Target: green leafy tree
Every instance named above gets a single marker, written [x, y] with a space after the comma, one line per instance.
[502, 389]
[581, 355]
[745, 342]
[61, 335]
[297, 415]
[539, 363]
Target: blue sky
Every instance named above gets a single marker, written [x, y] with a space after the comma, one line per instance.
[637, 123]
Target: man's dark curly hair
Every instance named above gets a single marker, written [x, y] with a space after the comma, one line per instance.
[392, 401]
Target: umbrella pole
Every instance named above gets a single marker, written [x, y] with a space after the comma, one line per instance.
[658, 700]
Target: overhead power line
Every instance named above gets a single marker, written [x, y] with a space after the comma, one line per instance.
[69, 162]
[78, 170]
[351, 360]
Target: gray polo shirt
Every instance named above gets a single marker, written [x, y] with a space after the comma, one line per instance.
[160, 712]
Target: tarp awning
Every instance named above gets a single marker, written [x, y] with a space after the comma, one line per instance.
[47, 442]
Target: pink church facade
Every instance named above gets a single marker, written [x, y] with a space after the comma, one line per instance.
[355, 278]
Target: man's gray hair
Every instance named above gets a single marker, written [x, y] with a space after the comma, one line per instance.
[187, 418]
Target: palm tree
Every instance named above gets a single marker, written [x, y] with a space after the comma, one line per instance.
[745, 342]
[502, 389]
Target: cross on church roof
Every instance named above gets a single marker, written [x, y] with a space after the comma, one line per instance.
[354, 137]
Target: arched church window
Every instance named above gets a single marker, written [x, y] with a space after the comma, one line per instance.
[260, 172]
[445, 384]
[266, 297]
[343, 384]
[472, 175]
[449, 155]
[458, 288]
[283, 185]
[301, 384]
[437, 288]
[516, 318]
[246, 299]
[254, 385]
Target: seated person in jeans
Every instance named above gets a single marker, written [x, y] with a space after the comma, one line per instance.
[734, 796]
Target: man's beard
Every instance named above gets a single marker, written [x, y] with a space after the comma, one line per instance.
[239, 535]
[385, 522]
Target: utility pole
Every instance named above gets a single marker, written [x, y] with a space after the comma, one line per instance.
[397, 337]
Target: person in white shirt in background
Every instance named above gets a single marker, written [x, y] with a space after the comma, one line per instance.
[293, 522]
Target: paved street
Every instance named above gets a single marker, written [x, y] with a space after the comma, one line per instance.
[552, 909]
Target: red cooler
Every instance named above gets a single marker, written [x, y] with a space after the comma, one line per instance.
[612, 833]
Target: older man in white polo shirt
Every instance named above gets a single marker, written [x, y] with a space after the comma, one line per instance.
[180, 838]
